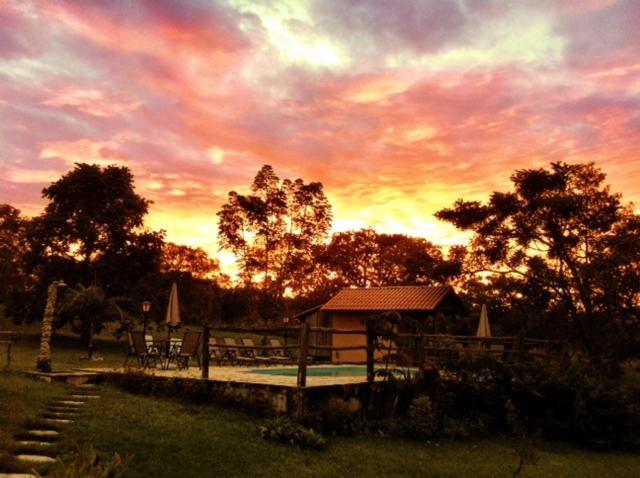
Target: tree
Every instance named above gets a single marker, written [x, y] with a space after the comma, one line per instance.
[87, 309]
[366, 258]
[191, 260]
[91, 232]
[12, 249]
[556, 230]
[273, 230]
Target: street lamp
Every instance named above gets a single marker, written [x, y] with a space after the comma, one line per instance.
[146, 307]
[43, 362]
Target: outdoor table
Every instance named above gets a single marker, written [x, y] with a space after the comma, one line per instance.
[167, 350]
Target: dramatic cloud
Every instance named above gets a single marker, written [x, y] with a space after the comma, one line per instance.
[398, 107]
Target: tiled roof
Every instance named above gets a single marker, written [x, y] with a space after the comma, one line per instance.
[388, 298]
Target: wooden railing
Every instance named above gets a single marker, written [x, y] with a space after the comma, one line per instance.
[408, 349]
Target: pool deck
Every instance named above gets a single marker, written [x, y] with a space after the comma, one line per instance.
[241, 375]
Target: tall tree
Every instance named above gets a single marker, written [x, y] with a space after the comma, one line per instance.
[555, 229]
[91, 230]
[273, 230]
[13, 246]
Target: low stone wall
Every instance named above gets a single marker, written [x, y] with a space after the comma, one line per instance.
[261, 399]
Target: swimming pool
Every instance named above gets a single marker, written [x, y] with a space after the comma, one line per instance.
[319, 371]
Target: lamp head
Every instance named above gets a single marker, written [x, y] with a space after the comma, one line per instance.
[146, 306]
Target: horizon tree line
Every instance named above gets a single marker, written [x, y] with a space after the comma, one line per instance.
[558, 256]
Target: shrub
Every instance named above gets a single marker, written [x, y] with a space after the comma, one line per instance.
[283, 430]
[85, 462]
[423, 421]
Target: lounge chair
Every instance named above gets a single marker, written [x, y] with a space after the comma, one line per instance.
[216, 354]
[188, 349]
[233, 353]
[257, 357]
[146, 357]
[279, 354]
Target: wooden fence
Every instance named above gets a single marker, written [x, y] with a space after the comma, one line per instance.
[407, 349]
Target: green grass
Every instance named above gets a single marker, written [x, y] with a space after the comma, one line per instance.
[170, 438]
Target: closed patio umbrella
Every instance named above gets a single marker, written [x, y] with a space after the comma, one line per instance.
[173, 309]
[484, 330]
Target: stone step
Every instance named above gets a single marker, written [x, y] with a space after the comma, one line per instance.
[69, 402]
[34, 444]
[16, 475]
[66, 416]
[80, 397]
[43, 433]
[58, 421]
[35, 458]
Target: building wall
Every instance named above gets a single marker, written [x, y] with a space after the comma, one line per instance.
[342, 320]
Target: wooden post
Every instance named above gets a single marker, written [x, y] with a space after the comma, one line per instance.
[370, 354]
[205, 351]
[8, 354]
[302, 354]
[521, 348]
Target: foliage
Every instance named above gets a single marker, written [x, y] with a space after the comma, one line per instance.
[86, 462]
[191, 260]
[13, 277]
[273, 230]
[562, 234]
[366, 258]
[88, 309]
[283, 430]
[91, 233]
[423, 419]
[521, 442]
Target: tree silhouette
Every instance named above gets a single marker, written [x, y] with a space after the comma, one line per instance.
[273, 230]
[557, 229]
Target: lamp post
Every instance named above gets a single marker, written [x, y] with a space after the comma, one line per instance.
[43, 362]
[146, 307]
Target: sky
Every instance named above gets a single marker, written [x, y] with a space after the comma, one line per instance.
[398, 107]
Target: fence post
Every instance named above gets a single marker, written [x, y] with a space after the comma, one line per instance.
[205, 351]
[302, 354]
[521, 350]
[370, 353]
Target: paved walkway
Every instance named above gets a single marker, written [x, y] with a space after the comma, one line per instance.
[247, 375]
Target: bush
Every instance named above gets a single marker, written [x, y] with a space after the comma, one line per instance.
[85, 462]
[284, 430]
[423, 421]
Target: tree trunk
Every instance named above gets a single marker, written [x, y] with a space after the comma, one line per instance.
[43, 363]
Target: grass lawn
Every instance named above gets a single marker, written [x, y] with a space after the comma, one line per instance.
[169, 438]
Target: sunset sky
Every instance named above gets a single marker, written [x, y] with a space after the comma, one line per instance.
[398, 107]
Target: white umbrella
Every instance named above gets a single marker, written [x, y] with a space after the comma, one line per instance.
[173, 309]
[484, 330]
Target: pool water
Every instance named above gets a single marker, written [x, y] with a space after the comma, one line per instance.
[337, 371]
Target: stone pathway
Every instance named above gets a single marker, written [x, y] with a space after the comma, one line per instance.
[40, 444]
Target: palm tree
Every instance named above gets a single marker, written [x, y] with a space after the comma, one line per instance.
[87, 309]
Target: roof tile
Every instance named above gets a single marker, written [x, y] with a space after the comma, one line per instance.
[388, 298]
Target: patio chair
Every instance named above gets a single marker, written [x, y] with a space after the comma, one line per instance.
[279, 355]
[188, 349]
[233, 353]
[257, 357]
[146, 358]
[216, 354]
